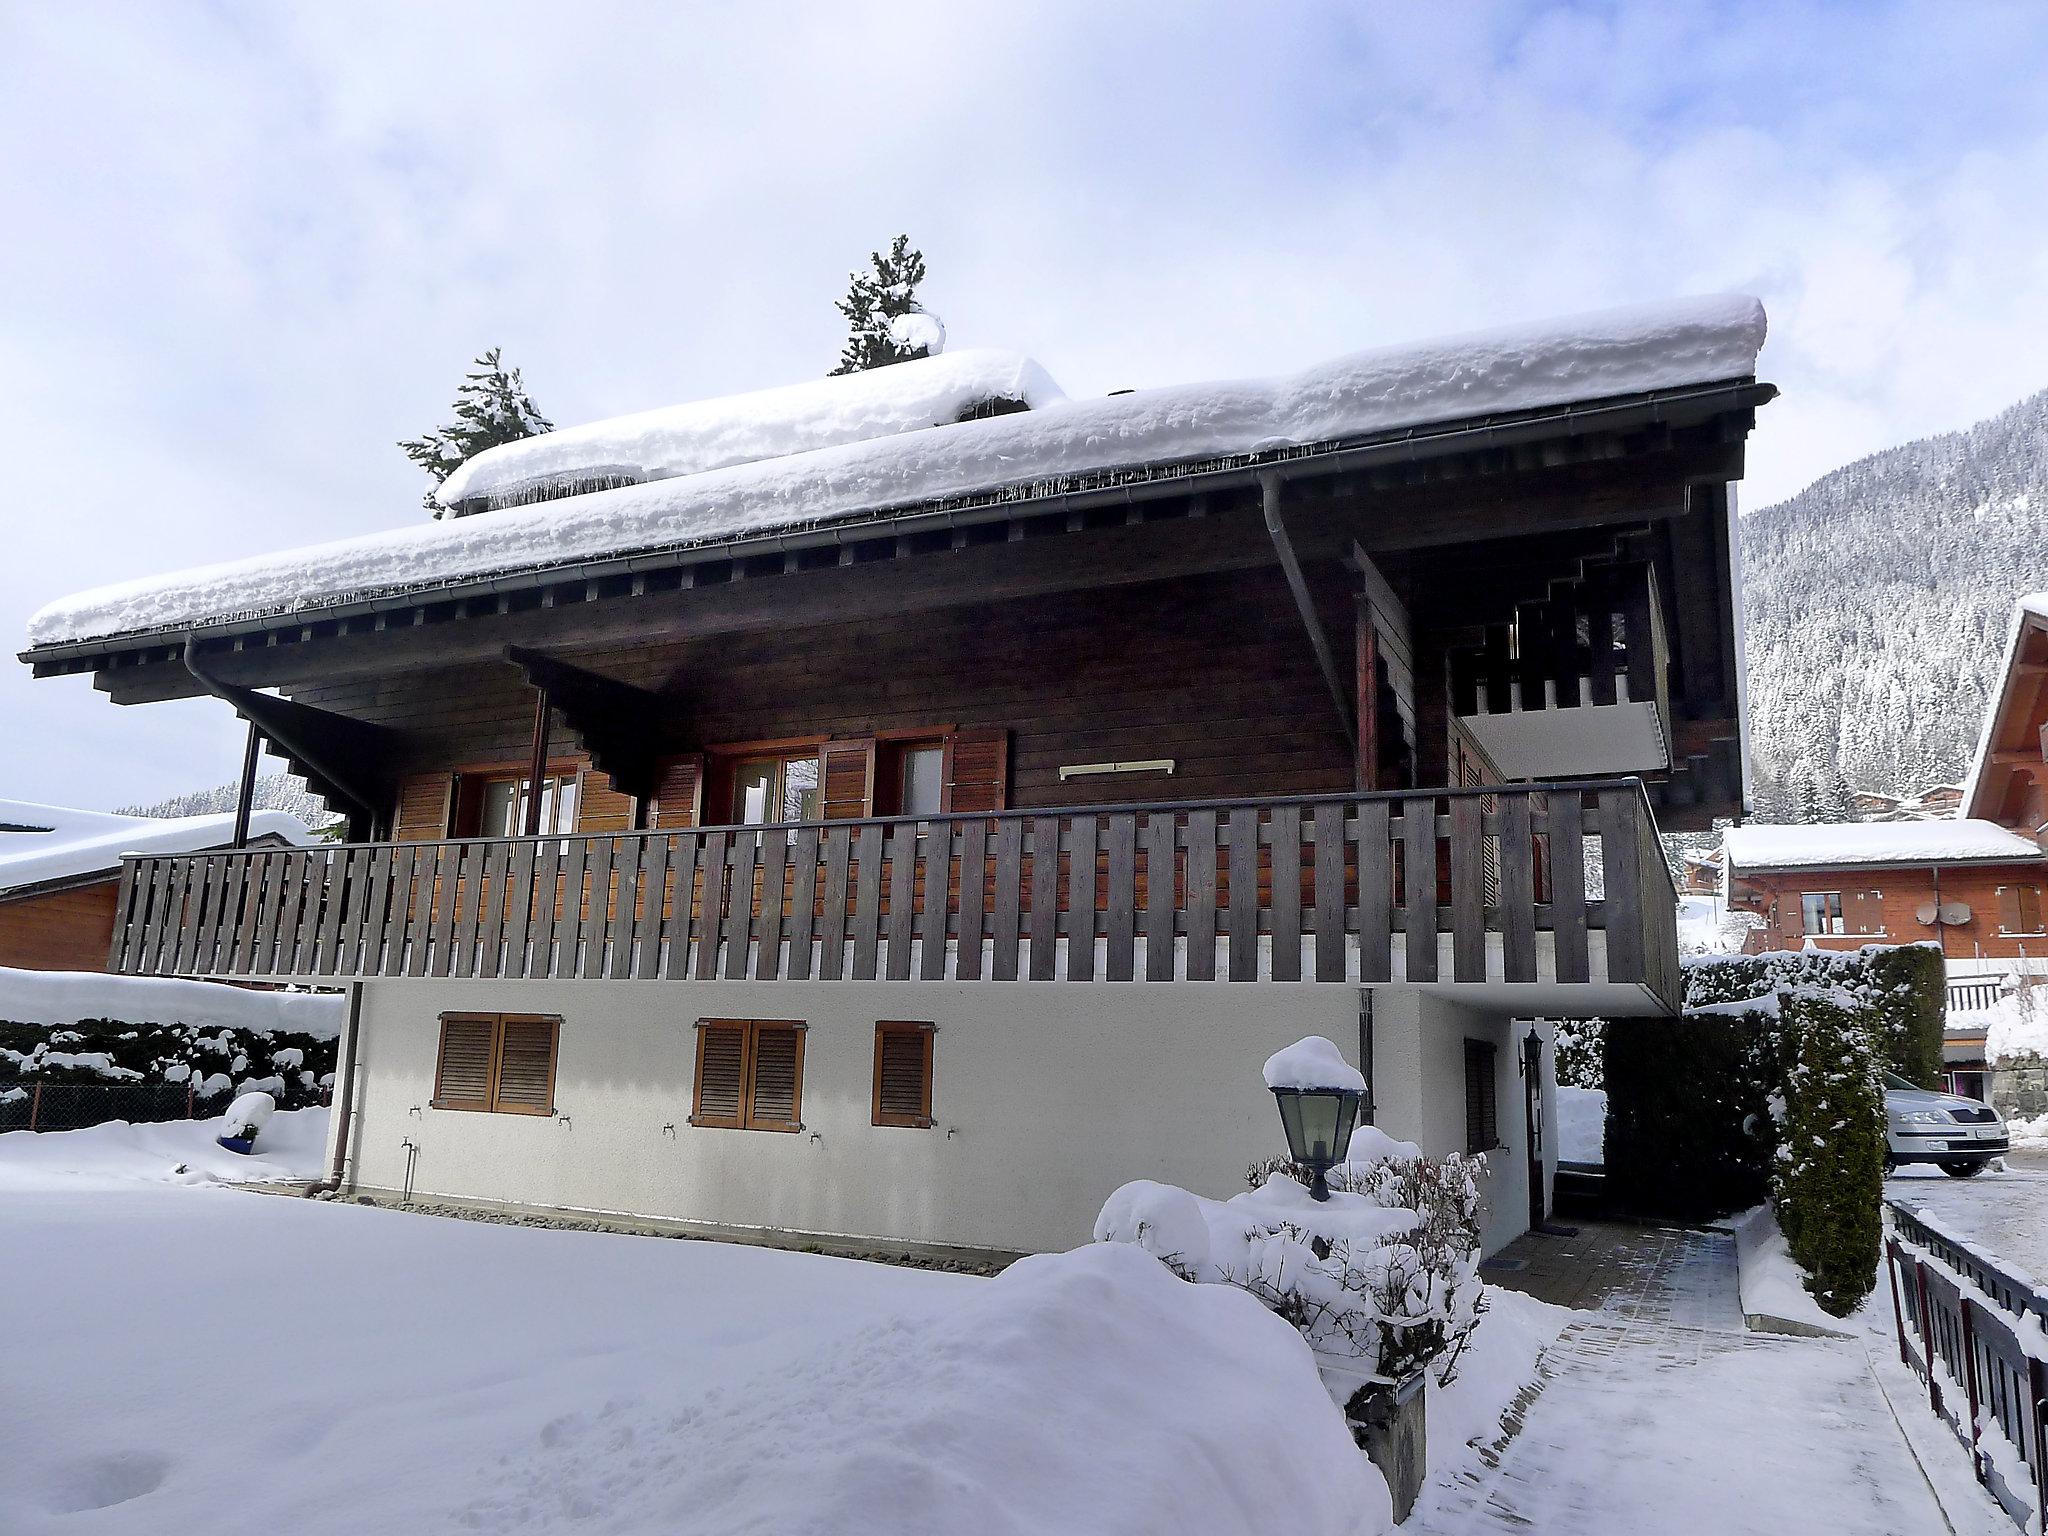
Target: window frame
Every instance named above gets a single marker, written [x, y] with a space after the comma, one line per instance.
[922, 1120]
[747, 1119]
[1483, 1135]
[492, 1103]
[1832, 912]
[469, 787]
[778, 787]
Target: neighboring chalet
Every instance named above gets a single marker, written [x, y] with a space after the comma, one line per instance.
[906, 806]
[60, 874]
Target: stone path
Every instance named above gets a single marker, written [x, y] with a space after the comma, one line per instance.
[1658, 1412]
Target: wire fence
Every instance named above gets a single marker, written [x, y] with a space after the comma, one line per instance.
[39, 1106]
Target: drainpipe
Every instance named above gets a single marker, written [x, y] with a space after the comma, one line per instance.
[345, 1082]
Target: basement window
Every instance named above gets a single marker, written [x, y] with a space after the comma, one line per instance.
[497, 1063]
[903, 1073]
[1482, 1107]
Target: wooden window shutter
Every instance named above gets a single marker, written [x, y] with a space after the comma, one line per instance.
[849, 775]
[721, 1072]
[2009, 909]
[424, 803]
[903, 1073]
[1792, 914]
[679, 801]
[2030, 909]
[977, 771]
[1482, 1129]
[462, 1072]
[1865, 912]
[775, 1097]
[599, 807]
[526, 1065]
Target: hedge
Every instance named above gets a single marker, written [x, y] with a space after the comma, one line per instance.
[214, 1058]
[1688, 1113]
[1904, 985]
[1828, 1182]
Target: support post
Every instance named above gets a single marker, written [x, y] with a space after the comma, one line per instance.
[537, 764]
[245, 796]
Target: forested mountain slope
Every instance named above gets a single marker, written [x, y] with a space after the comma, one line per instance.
[1878, 600]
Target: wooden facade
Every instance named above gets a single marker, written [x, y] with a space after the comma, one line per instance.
[1898, 904]
[71, 929]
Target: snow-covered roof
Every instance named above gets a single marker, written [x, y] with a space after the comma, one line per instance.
[2028, 605]
[1762, 847]
[751, 428]
[41, 843]
[1562, 362]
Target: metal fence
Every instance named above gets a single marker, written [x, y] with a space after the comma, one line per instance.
[1961, 1317]
[39, 1106]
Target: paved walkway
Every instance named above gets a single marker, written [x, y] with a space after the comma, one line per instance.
[1658, 1412]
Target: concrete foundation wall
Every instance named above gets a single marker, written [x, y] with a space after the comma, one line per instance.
[1046, 1098]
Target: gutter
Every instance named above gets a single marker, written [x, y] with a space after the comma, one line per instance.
[1228, 471]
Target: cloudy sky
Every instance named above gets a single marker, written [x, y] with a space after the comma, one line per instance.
[247, 247]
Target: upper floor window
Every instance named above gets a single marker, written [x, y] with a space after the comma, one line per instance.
[1821, 912]
[772, 789]
[921, 779]
[494, 804]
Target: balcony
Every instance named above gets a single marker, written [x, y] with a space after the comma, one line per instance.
[1549, 898]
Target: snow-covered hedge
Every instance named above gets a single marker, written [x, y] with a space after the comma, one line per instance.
[1688, 1110]
[1827, 1182]
[1581, 1046]
[1903, 985]
[215, 1060]
[1381, 1279]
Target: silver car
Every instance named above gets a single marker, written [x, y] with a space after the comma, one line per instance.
[1959, 1136]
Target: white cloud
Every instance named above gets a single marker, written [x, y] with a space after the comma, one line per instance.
[252, 246]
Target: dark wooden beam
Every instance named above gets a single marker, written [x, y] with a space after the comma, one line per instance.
[537, 761]
[245, 791]
[1305, 606]
[620, 725]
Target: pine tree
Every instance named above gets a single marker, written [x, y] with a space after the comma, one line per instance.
[491, 408]
[873, 300]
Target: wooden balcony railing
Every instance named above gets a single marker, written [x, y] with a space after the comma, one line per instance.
[1296, 888]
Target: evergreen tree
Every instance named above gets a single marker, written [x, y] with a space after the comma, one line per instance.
[491, 408]
[875, 298]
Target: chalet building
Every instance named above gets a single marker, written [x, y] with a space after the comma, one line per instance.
[908, 805]
[60, 874]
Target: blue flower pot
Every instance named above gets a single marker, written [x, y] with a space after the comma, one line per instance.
[242, 1144]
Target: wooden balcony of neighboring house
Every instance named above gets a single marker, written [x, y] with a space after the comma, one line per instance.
[1550, 897]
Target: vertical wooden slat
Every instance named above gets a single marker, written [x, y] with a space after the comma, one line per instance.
[1201, 897]
[150, 944]
[540, 919]
[739, 911]
[1286, 892]
[838, 843]
[124, 918]
[191, 909]
[1120, 921]
[1045, 896]
[1081, 908]
[597, 911]
[938, 899]
[1622, 885]
[768, 933]
[206, 935]
[803, 902]
[1328, 823]
[569, 910]
[1159, 896]
[684, 858]
[627, 854]
[1468, 889]
[519, 894]
[334, 873]
[447, 881]
[973, 874]
[419, 921]
[867, 902]
[652, 885]
[365, 867]
[469, 895]
[228, 918]
[1244, 893]
[902, 897]
[257, 888]
[711, 908]
[1418, 907]
[1517, 890]
[1009, 896]
[1375, 861]
[1568, 884]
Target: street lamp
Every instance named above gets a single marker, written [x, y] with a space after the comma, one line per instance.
[1318, 1122]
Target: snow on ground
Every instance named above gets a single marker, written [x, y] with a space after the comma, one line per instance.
[208, 1359]
[1551, 363]
[2003, 1209]
[290, 1149]
[1773, 1285]
[66, 997]
[1582, 1125]
[1498, 1366]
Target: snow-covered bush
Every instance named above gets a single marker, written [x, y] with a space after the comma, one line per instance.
[1903, 985]
[1828, 1181]
[248, 1115]
[1689, 1131]
[1581, 1045]
[1381, 1279]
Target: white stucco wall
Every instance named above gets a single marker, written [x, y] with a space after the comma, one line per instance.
[1047, 1097]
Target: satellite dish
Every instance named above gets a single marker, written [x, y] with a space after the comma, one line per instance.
[1955, 913]
[1925, 914]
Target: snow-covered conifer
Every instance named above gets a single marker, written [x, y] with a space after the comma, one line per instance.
[875, 308]
[492, 407]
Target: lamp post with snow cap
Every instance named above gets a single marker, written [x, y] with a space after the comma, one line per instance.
[1318, 1092]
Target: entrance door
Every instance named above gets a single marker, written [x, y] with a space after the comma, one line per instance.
[1532, 1094]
